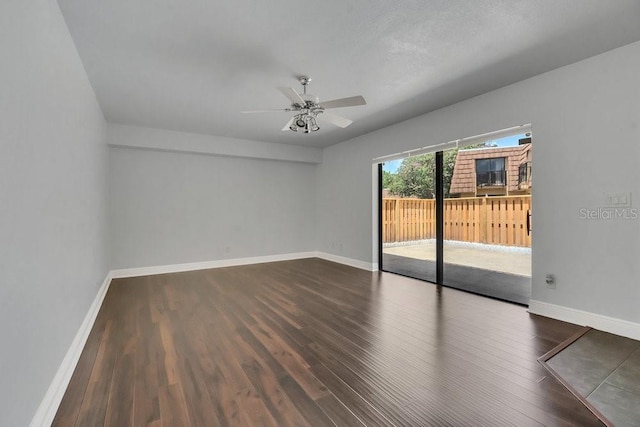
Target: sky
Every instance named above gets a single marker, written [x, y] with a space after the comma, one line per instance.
[509, 141]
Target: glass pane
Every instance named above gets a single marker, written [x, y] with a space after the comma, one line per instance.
[408, 217]
[483, 165]
[498, 164]
[487, 249]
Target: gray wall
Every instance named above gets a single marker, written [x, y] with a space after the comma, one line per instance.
[53, 251]
[587, 136]
[171, 208]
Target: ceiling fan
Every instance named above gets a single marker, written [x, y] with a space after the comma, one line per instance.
[308, 108]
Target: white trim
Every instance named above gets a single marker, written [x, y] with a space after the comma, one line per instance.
[458, 143]
[584, 318]
[49, 406]
[375, 211]
[137, 137]
[204, 265]
[369, 266]
[417, 151]
[492, 136]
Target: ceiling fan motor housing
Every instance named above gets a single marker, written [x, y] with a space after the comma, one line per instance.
[309, 98]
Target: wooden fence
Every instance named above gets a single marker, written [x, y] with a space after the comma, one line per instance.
[491, 220]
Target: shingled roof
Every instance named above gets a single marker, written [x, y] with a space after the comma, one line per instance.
[464, 172]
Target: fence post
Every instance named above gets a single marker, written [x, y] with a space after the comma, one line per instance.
[396, 219]
[483, 220]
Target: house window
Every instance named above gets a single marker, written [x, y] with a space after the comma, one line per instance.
[524, 171]
[491, 172]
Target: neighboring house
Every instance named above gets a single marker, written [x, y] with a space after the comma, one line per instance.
[499, 171]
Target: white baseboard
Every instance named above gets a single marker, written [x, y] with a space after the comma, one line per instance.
[192, 266]
[348, 261]
[49, 406]
[584, 318]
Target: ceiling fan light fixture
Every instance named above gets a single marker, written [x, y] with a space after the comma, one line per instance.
[314, 124]
[306, 122]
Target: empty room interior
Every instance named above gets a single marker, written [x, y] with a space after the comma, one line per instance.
[192, 221]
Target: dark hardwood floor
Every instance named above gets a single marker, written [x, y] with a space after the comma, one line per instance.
[310, 342]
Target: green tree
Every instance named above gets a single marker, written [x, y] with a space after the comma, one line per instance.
[448, 164]
[416, 176]
[388, 179]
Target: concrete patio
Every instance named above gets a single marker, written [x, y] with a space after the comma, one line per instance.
[505, 259]
[494, 271]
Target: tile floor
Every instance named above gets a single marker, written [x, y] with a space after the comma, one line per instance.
[605, 369]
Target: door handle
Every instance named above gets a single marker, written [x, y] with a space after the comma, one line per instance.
[528, 222]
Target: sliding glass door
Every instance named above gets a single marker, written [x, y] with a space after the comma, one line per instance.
[487, 238]
[408, 206]
[461, 218]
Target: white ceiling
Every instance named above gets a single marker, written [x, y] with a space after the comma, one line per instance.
[194, 65]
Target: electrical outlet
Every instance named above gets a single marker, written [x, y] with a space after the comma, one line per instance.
[550, 280]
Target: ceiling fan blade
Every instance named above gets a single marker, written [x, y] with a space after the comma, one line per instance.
[293, 96]
[344, 102]
[335, 119]
[279, 110]
[289, 123]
